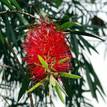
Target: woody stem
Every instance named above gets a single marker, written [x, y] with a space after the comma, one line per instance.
[16, 11]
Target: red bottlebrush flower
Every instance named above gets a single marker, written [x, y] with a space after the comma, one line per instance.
[50, 44]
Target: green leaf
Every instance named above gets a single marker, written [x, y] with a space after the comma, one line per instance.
[75, 44]
[85, 34]
[92, 71]
[69, 24]
[89, 74]
[61, 61]
[87, 45]
[43, 62]
[2, 38]
[58, 2]
[91, 85]
[54, 82]
[61, 88]
[59, 92]
[7, 3]
[25, 84]
[63, 74]
[10, 2]
[10, 31]
[36, 85]
[14, 2]
[23, 20]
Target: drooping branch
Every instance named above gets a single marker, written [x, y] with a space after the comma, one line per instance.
[16, 11]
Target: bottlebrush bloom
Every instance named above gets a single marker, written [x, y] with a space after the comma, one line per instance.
[44, 40]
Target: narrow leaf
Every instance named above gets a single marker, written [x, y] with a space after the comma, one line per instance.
[14, 2]
[69, 24]
[75, 45]
[91, 70]
[25, 84]
[61, 61]
[7, 3]
[43, 62]
[57, 2]
[69, 75]
[85, 34]
[61, 88]
[92, 88]
[36, 86]
[59, 92]
[87, 45]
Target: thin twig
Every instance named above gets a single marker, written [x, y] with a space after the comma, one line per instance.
[7, 66]
[16, 11]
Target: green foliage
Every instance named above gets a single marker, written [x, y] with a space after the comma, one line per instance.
[43, 62]
[25, 84]
[69, 75]
[59, 92]
[58, 88]
[36, 86]
[57, 2]
[16, 16]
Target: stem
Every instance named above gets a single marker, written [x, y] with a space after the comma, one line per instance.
[31, 100]
[16, 11]
[7, 66]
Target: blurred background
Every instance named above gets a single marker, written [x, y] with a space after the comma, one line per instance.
[86, 22]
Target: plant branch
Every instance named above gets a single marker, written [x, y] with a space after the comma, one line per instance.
[16, 11]
[7, 66]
